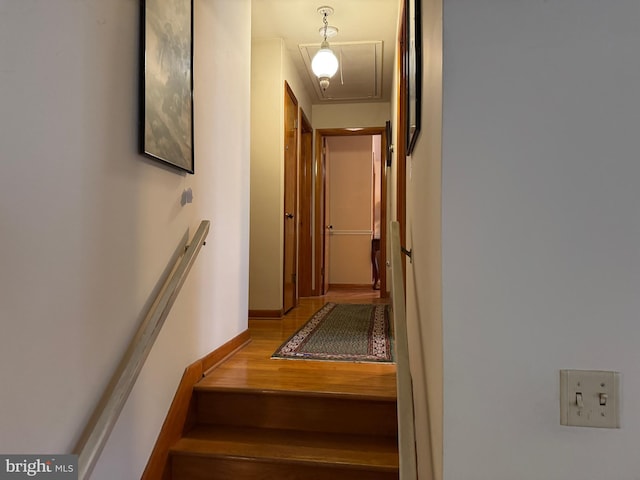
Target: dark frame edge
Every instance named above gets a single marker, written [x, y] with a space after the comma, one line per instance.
[142, 93]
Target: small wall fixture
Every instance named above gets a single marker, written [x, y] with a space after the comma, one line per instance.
[325, 63]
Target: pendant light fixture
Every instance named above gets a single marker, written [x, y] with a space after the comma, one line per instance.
[325, 63]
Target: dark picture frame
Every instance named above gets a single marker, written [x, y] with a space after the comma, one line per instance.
[166, 99]
[413, 74]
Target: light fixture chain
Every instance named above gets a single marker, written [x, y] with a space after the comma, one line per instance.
[326, 24]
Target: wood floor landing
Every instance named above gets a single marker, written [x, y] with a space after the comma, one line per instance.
[252, 367]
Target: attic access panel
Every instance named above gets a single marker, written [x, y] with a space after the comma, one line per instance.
[359, 76]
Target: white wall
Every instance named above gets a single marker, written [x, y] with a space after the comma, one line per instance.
[299, 85]
[424, 238]
[350, 212]
[88, 225]
[267, 181]
[351, 115]
[541, 233]
[271, 66]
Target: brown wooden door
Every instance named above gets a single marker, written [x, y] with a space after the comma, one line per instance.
[290, 291]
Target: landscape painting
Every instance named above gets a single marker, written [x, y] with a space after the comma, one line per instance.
[167, 97]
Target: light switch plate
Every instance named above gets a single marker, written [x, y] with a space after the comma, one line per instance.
[590, 398]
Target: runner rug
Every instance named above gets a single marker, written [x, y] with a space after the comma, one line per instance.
[342, 332]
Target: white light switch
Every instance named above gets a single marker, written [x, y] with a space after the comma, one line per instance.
[590, 398]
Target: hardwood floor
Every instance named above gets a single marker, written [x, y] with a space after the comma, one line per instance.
[253, 417]
[252, 367]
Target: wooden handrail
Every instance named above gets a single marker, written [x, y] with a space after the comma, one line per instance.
[406, 417]
[106, 414]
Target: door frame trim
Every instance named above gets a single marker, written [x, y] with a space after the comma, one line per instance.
[288, 91]
[320, 186]
[305, 208]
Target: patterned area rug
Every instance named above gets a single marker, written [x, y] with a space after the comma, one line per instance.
[343, 332]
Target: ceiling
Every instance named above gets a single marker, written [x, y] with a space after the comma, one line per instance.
[365, 42]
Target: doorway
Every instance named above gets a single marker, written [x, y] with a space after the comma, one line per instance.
[367, 236]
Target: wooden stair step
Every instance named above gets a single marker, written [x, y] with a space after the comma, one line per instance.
[217, 452]
[345, 414]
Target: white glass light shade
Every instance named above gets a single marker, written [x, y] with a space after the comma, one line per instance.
[324, 63]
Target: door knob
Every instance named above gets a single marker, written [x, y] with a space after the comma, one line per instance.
[288, 215]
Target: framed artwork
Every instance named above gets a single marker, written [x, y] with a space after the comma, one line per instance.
[413, 63]
[167, 82]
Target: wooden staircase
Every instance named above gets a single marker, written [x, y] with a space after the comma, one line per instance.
[245, 433]
[252, 417]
